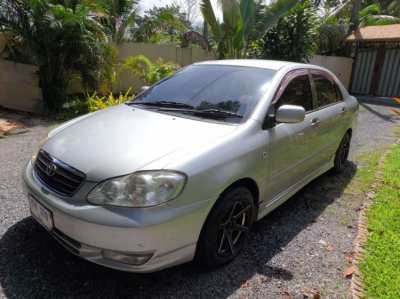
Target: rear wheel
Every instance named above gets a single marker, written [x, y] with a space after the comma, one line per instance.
[227, 226]
[342, 154]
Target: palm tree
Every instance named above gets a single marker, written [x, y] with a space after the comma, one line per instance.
[118, 16]
[232, 34]
[63, 40]
[355, 10]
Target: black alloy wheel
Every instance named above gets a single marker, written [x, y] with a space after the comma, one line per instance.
[227, 227]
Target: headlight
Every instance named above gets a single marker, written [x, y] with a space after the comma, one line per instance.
[140, 189]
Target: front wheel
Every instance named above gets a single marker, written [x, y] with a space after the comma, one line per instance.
[342, 154]
[227, 226]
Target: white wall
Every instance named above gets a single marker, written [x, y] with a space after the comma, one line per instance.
[19, 88]
[340, 66]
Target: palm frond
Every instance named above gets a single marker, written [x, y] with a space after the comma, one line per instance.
[275, 11]
[248, 10]
[209, 16]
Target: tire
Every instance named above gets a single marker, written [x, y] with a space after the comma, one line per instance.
[226, 229]
[342, 154]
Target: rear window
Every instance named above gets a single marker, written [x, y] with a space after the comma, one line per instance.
[327, 90]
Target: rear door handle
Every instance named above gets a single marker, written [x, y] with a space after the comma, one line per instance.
[343, 110]
[315, 121]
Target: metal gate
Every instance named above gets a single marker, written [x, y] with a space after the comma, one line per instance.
[364, 68]
[389, 83]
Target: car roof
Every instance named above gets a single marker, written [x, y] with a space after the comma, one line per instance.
[260, 63]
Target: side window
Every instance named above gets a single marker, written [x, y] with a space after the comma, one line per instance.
[327, 90]
[297, 92]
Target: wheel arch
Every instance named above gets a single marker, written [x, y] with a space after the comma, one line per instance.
[248, 183]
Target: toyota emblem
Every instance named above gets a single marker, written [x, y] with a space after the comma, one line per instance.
[51, 169]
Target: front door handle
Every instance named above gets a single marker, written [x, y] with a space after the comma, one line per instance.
[315, 121]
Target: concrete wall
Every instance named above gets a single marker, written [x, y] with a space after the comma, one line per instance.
[19, 87]
[169, 53]
[340, 66]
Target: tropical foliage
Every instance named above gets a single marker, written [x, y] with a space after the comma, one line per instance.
[91, 102]
[373, 15]
[62, 40]
[235, 32]
[118, 16]
[293, 38]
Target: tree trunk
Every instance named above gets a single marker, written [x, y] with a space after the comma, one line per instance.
[53, 88]
[354, 15]
[205, 30]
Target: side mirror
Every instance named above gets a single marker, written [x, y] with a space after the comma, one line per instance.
[290, 114]
[143, 88]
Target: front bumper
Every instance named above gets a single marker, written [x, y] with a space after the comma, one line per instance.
[168, 233]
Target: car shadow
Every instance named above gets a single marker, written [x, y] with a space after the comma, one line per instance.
[386, 117]
[33, 265]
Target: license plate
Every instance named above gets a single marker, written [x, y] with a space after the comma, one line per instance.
[40, 213]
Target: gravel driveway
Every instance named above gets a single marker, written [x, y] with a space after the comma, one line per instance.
[299, 250]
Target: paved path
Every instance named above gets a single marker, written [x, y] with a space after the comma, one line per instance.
[297, 250]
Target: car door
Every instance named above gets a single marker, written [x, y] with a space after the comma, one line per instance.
[331, 112]
[292, 147]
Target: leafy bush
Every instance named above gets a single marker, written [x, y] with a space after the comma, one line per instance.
[91, 103]
[141, 67]
[160, 70]
[96, 102]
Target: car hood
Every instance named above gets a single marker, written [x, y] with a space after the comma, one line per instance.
[123, 139]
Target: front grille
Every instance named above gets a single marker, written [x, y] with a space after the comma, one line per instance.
[56, 175]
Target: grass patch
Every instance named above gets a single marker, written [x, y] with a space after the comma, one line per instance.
[367, 166]
[381, 265]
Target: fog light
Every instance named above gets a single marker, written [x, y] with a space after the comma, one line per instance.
[126, 258]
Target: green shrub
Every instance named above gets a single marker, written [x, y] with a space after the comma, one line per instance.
[141, 67]
[96, 102]
[160, 70]
[92, 102]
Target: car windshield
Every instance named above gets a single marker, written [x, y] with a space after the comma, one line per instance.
[225, 93]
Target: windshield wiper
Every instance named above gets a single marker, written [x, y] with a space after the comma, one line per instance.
[212, 113]
[168, 104]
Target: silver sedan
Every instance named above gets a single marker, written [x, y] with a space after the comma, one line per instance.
[183, 170]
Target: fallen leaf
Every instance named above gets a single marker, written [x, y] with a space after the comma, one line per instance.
[245, 284]
[349, 256]
[313, 293]
[370, 195]
[316, 295]
[330, 247]
[349, 271]
[286, 294]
